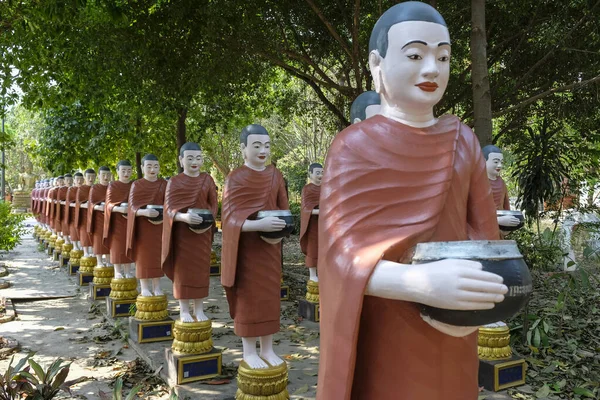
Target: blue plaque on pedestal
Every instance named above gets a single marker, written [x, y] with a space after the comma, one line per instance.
[84, 278]
[285, 292]
[195, 367]
[502, 374]
[118, 307]
[73, 269]
[215, 270]
[99, 292]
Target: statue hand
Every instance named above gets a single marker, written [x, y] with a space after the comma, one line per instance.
[271, 224]
[452, 330]
[315, 211]
[508, 220]
[193, 219]
[151, 213]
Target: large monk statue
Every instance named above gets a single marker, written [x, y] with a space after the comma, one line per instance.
[309, 219]
[55, 208]
[115, 222]
[144, 238]
[186, 251]
[251, 265]
[392, 181]
[69, 217]
[81, 215]
[95, 215]
[366, 105]
[493, 164]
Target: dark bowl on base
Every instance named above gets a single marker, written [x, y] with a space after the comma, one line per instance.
[158, 208]
[285, 215]
[207, 218]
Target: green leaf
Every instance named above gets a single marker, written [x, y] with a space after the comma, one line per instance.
[30, 378]
[133, 392]
[536, 338]
[584, 392]
[544, 391]
[60, 378]
[39, 371]
[117, 391]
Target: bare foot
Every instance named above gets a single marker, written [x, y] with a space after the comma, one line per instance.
[186, 317]
[255, 362]
[314, 278]
[158, 292]
[271, 357]
[146, 292]
[118, 275]
[129, 275]
[200, 316]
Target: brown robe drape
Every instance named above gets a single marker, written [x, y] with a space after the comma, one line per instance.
[186, 254]
[51, 208]
[59, 211]
[144, 239]
[500, 193]
[43, 205]
[309, 225]
[32, 202]
[251, 267]
[386, 188]
[81, 215]
[68, 218]
[95, 219]
[115, 225]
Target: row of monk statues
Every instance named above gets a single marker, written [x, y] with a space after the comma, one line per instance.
[403, 224]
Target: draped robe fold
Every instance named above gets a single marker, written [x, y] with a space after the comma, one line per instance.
[51, 208]
[251, 267]
[59, 211]
[69, 216]
[95, 219]
[81, 216]
[115, 224]
[500, 193]
[43, 205]
[144, 239]
[387, 187]
[309, 224]
[185, 253]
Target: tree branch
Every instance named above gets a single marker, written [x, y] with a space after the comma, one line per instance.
[329, 27]
[356, 47]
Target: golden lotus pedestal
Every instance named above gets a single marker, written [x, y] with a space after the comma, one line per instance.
[85, 274]
[151, 322]
[192, 356]
[262, 384]
[309, 307]
[122, 298]
[100, 286]
[74, 261]
[215, 264]
[46, 239]
[36, 232]
[58, 244]
[65, 254]
[51, 244]
[498, 368]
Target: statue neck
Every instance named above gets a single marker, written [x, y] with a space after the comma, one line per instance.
[255, 167]
[192, 174]
[153, 179]
[417, 119]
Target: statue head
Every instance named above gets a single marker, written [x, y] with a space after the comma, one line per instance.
[493, 161]
[60, 181]
[365, 106]
[90, 176]
[124, 171]
[409, 59]
[78, 179]
[255, 144]
[315, 173]
[104, 175]
[190, 158]
[68, 180]
[150, 167]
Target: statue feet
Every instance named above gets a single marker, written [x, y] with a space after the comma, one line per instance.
[255, 362]
[186, 317]
[129, 275]
[200, 316]
[271, 357]
[146, 292]
[158, 292]
[118, 275]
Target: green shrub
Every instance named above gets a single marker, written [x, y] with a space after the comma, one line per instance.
[296, 209]
[542, 252]
[11, 227]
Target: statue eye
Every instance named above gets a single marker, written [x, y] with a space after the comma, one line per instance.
[414, 57]
[444, 58]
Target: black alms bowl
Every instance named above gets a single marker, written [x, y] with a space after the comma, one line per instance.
[501, 257]
[158, 208]
[516, 214]
[207, 218]
[285, 215]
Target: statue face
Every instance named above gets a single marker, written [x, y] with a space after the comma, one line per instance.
[257, 151]
[89, 179]
[124, 173]
[414, 74]
[493, 165]
[69, 181]
[60, 182]
[78, 180]
[191, 162]
[316, 176]
[104, 177]
[151, 169]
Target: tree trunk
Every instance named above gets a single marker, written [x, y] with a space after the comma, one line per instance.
[181, 134]
[138, 155]
[482, 100]
[138, 165]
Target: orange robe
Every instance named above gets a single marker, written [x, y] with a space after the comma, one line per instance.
[186, 254]
[386, 188]
[95, 219]
[500, 193]
[59, 211]
[69, 215]
[251, 267]
[309, 225]
[81, 215]
[32, 202]
[51, 208]
[115, 225]
[43, 204]
[144, 239]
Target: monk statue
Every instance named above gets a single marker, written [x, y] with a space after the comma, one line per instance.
[95, 215]
[250, 264]
[186, 250]
[365, 106]
[395, 180]
[81, 216]
[58, 201]
[69, 217]
[144, 237]
[115, 222]
[493, 165]
[309, 219]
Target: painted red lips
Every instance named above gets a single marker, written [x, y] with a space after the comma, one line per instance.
[427, 86]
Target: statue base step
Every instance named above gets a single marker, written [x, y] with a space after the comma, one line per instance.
[55, 255]
[191, 368]
[50, 250]
[309, 311]
[73, 269]
[84, 278]
[215, 270]
[285, 292]
[502, 374]
[119, 307]
[64, 261]
[99, 291]
[151, 331]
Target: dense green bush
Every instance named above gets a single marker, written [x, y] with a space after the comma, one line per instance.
[295, 209]
[542, 252]
[11, 227]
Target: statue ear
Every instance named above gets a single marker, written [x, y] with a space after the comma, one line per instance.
[242, 148]
[356, 120]
[375, 67]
